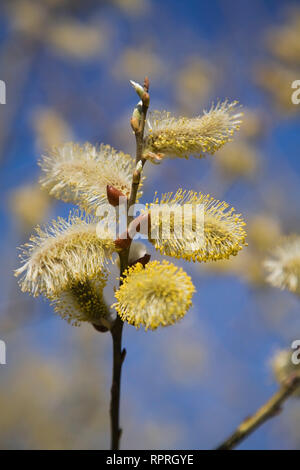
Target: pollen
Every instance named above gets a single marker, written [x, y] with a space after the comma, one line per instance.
[82, 302]
[64, 253]
[81, 174]
[158, 295]
[213, 232]
[182, 137]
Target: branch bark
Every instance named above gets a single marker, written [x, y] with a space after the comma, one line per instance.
[116, 331]
[118, 359]
[270, 409]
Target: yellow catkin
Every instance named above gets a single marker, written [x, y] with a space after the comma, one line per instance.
[158, 295]
[82, 302]
[220, 235]
[181, 137]
[67, 251]
[283, 367]
[283, 266]
[80, 174]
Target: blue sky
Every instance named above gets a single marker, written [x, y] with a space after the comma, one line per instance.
[228, 320]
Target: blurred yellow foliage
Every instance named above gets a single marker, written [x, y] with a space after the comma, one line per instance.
[135, 61]
[30, 205]
[284, 41]
[195, 83]
[263, 231]
[76, 39]
[133, 7]
[27, 17]
[237, 160]
[50, 127]
[253, 124]
[276, 80]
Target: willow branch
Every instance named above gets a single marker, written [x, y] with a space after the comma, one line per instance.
[118, 359]
[139, 129]
[116, 331]
[270, 409]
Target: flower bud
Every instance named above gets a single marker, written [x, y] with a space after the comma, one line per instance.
[136, 117]
[142, 91]
[115, 196]
[146, 84]
[137, 172]
[138, 88]
[137, 251]
[100, 328]
[143, 260]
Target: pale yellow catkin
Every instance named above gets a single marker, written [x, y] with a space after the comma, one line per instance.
[283, 265]
[158, 295]
[182, 137]
[220, 234]
[64, 252]
[81, 174]
[82, 302]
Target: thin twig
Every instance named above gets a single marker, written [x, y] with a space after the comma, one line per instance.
[118, 358]
[139, 138]
[116, 331]
[268, 410]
